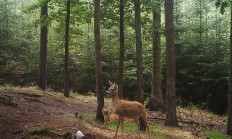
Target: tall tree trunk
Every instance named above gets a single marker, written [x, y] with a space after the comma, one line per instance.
[201, 21]
[7, 21]
[140, 91]
[156, 63]
[171, 75]
[89, 58]
[66, 75]
[229, 111]
[99, 88]
[43, 48]
[216, 37]
[206, 25]
[89, 46]
[110, 52]
[121, 58]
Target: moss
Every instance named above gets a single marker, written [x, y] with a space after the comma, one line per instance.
[2, 97]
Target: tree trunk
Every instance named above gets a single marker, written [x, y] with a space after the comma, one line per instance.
[121, 58]
[99, 88]
[43, 48]
[156, 63]
[66, 75]
[206, 25]
[7, 22]
[201, 21]
[171, 75]
[140, 91]
[229, 121]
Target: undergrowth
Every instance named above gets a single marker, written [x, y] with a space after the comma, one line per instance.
[215, 135]
[132, 127]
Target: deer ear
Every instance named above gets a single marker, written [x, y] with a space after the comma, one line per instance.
[110, 83]
[115, 84]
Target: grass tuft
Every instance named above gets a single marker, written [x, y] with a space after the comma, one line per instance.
[215, 135]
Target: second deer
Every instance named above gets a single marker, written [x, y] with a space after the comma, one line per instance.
[106, 114]
[129, 109]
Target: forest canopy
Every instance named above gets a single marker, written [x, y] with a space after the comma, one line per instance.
[201, 43]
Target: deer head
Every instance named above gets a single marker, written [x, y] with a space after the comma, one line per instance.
[113, 90]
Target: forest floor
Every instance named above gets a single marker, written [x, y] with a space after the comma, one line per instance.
[32, 113]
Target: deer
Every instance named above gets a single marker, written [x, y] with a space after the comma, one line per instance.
[129, 109]
[106, 114]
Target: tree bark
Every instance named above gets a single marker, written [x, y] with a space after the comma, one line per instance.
[99, 88]
[201, 21]
[171, 119]
[140, 91]
[66, 69]
[229, 121]
[43, 48]
[156, 63]
[121, 59]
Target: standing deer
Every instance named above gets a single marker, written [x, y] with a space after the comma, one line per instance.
[106, 114]
[128, 109]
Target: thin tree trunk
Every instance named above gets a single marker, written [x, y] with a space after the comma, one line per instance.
[156, 63]
[200, 21]
[121, 58]
[216, 37]
[7, 22]
[89, 46]
[43, 49]
[66, 74]
[206, 25]
[89, 58]
[171, 119]
[110, 52]
[99, 88]
[229, 121]
[140, 91]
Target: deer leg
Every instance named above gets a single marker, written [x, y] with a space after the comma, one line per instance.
[104, 120]
[108, 118]
[137, 121]
[147, 129]
[122, 124]
[119, 121]
[144, 116]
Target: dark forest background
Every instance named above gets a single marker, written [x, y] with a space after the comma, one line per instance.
[201, 42]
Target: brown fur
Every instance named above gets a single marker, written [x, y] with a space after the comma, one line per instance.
[115, 117]
[106, 114]
[128, 109]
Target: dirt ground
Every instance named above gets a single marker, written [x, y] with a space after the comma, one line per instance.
[30, 115]
[33, 115]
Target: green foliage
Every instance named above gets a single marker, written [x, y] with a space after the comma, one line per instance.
[34, 6]
[16, 46]
[201, 42]
[87, 116]
[222, 5]
[215, 135]
[128, 127]
[155, 130]
[202, 55]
